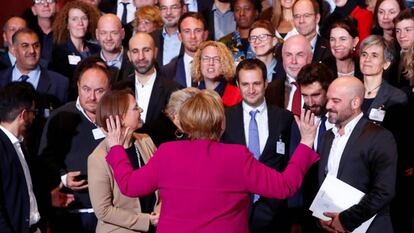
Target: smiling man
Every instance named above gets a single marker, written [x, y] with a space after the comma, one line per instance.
[265, 129]
[193, 31]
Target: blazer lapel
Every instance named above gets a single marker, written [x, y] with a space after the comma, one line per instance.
[350, 145]
[180, 75]
[273, 118]
[156, 92]
[323, 151]
[238, 121]
[44, 82]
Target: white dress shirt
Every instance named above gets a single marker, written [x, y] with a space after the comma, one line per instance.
[187, 66]
[192, 5]
[338, 145]
[130, 10]
[262, 123]
[143, 94]
[34, 212]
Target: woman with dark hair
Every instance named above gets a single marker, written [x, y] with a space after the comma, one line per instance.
[73, 29]
[384, 13]
[264, 44]
[206, 185]
[343, 40]
[116, 212]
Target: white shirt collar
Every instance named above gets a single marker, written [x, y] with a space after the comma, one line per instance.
[11, 136]
[249, 108]
[79, 107]
[349, 127]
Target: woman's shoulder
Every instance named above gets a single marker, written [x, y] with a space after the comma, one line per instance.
[100, 152]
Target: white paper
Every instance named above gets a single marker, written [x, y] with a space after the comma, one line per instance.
[335, 196]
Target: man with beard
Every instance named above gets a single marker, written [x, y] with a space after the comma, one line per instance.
[152, 91]
[68, 138]
[306, 17]
[273, 127]
[360, 153]
[193, 31]
[245, 13]
[110, 34]
[166, 38]
[18, 205]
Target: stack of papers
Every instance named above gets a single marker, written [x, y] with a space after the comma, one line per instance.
[336, 196]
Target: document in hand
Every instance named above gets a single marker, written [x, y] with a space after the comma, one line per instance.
[336, 196]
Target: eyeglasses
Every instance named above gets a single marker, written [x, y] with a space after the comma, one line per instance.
[207, 59]
[43, 1]
[262, 37]
[305, 16]
[171, 8]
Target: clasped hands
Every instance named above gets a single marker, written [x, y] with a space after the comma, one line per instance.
[334, 225]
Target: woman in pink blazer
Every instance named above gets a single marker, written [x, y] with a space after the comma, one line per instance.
[205, 185]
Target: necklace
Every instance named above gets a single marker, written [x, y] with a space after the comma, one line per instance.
[369, 92]
[138, 155]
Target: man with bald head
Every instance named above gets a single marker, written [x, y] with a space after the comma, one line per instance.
[152, 90]
[12, 25]
[359, 153]
[284, 91]
[110, 34]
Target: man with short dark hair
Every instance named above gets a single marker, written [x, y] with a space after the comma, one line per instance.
[166, 38]
[69, 137]
[265, 129]
[18, 205]
[192, 31]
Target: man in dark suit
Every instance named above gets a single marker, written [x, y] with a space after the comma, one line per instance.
[272, 133]
[12, 25]
[284, 91]
[360, 154]
[18, 205]
[166, 38]
[306, 17]
[110, 34]
[51, 87]
[152, 91]
[193, 31]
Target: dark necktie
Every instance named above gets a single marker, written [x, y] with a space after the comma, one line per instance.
[296, 101]
[322, 130]
[124, 13]
[24, 78]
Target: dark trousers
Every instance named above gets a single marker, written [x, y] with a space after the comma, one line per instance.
[66, 222]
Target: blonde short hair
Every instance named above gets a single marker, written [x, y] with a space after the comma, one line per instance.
[177, 99]
[202, 116]
[227, 63]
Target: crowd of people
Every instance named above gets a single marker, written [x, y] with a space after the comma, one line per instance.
[206, 115]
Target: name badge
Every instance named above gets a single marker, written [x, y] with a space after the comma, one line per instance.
[280, 147]
[73, 59]
[97, 133]
[377, 115]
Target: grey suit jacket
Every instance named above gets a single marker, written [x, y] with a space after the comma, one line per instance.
[368, 163]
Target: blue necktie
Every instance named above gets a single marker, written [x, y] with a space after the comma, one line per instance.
[124, 13]
[322, 130]
[254, 143]
[24, 78]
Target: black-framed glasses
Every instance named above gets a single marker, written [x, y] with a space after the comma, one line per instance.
[43, 1]
[207, 59]
[262, 37]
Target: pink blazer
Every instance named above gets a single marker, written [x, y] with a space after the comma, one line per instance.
[206, 185]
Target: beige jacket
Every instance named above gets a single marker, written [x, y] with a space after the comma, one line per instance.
[116, 212]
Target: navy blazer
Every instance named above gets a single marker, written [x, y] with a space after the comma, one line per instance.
[157, 124]
[5, 59]
[368, 163]
[14, 196]
[266, 215]
[322, 50]
[175, 70]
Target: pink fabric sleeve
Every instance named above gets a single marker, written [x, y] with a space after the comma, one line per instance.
[138, 183]
[268, 182]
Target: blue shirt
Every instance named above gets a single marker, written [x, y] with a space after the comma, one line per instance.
[117, 62]
[224, 23]
[34, 76]
[172, 46]
[271, 70]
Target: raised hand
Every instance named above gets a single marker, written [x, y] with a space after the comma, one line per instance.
[307, 127]
[115, 134]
